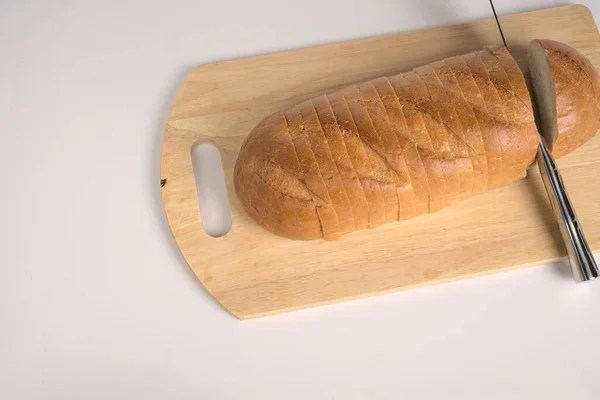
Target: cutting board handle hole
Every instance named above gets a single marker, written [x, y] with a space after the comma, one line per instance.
[212, 190]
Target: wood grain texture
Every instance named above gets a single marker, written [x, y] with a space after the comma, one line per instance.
[253, 272]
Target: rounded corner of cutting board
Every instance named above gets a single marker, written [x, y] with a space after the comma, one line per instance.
[178, 189]
[583, 8]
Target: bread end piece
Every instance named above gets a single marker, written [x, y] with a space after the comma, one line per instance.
[567, 89]
[267, 182]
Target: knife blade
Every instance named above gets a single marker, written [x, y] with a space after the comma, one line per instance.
[582, 262]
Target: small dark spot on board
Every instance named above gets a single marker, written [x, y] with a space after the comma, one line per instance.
[163, 182]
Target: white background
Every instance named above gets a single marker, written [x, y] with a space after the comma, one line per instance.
[97, 303]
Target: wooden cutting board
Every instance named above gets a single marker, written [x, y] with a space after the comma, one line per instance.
[253, 273]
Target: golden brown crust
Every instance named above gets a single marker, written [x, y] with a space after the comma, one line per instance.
[358, 155]
[372, 147]
[348, 176]
[399, 146]
[375, 146]
[577, 89]
[282, 204]
[514, 75]
[513, 106]
[499, 133]
[454, 128]
[469, 90]
[311, 174]
[416, 170]
[443, 142]
[329, 172]
[464, 111]
[407, 95]
[517, 81]
[390, 149]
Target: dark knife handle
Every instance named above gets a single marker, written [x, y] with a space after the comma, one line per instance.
[582, 261]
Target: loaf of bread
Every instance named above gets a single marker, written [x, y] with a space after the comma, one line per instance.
[405, 145]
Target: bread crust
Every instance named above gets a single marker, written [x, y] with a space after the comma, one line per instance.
[452, 124]
[408, 147]
[269, 183]
[391, 151]
[356, 151]
[344, 164]
[519, 88]
[407, 93]
[373, 149]
[464, 112]
[577, 86]
[400, 146]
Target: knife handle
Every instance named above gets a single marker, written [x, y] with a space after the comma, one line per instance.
[582, 261]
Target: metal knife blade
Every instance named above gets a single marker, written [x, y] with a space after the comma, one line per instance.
[581, 259]
[498, 23]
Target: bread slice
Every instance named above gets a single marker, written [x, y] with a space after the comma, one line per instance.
[567, 89]
[408, 147]
[489, 160]
[311, 174]
[452, 122]
[470, 126]
[406, 93]
[384, 179]
[475, 78]
[376, 148]
[357, 154]
[493, 93]
[521, 92]
[391, 150]
[345, 167]
[324, 160]
[513, 105]
[442, 140]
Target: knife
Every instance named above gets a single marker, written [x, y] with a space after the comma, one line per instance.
[581, 259]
